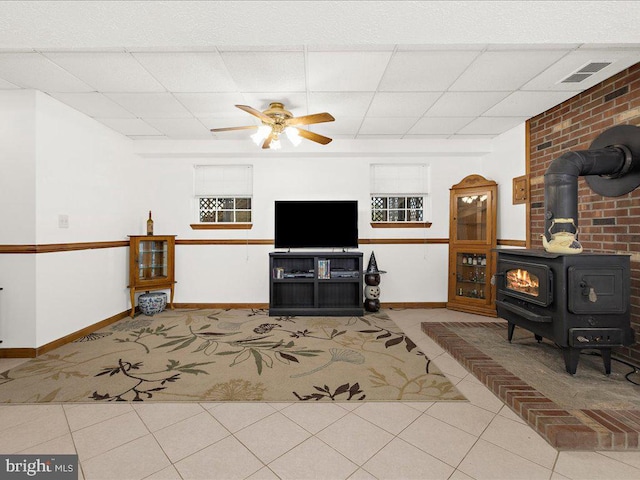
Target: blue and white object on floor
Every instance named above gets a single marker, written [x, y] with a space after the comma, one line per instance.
[152, 303]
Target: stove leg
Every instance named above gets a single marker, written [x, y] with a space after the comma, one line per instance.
[538, 337]
[512, 327]
[606, 358]
[571, 358]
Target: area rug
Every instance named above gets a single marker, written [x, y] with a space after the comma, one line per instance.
[233, 355]
[585, 411]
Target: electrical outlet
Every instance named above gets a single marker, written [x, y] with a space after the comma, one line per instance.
[63, 221]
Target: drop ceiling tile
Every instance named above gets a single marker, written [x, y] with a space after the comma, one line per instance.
[171, 48]
[224, 122]
[33, 70]
[438, 125]
[266, 71]
[345, 71]
[148, 137]
[526, 104]
[260, 48]
[107, 71]
[424, 71]
[401, 104]
[532, 46]
[550, 79]
[342, 126]
[459, 136]
[188, 71]
[491, 125]
[212, 104]
[180, 127]
[129, 126]
[93, 104]
[464, 104]
[386, 125]
[343, 137]
[4, 85]
[151, 105]
[428, 137]
[234, 135]
[380, 136]
[340, 104]
[475, 47]
[351, 48]
[295, 102]
[505, 70]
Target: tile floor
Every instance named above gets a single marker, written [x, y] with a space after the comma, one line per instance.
[479, 439]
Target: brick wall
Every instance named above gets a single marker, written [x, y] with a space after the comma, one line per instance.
[608, 225]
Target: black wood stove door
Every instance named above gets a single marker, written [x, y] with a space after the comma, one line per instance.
[595, 290]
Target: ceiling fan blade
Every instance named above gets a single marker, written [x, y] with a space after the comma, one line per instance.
[226, 129]
[314, 137]
[309, 119]
[267, 141]
[256, 113]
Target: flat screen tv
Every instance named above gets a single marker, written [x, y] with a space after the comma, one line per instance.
[316, 224]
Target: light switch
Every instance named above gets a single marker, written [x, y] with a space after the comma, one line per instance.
[63, 221]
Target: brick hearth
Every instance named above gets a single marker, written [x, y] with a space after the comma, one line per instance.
[564, 429]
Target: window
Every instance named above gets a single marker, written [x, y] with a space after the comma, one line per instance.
[224, 209]
[397, 209]
[399, 195]
[223, 195]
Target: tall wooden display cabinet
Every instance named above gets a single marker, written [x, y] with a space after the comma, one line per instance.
[472, 238]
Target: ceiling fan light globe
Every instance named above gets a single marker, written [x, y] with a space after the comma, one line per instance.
[293, 136]
[275, 145]
[262, 133]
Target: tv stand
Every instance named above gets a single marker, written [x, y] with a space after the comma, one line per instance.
[315, 283]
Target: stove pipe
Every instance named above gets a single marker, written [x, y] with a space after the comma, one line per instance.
[561, 189]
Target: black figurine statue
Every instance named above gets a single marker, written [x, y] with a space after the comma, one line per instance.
[372, 290]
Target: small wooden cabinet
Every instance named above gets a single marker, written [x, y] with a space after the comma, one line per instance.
[472, 239]
[315, 283]
[151, 265]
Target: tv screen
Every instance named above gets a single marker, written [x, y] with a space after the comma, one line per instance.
[316, 223]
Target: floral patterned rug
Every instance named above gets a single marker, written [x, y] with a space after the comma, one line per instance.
[233, 355]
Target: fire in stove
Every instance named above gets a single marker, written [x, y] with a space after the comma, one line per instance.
[523, 281]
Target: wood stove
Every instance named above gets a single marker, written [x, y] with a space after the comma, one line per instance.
[577, 301]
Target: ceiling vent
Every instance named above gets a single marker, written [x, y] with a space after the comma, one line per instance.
[585, 72]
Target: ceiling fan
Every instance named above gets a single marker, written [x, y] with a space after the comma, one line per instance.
[276, 120]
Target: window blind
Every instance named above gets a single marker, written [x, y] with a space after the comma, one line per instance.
[228, 180]
[403, 179]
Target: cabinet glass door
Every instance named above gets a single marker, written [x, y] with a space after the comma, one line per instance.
[471, 275]
[471, 219]
[152, 259]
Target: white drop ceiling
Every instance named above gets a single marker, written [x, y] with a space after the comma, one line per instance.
[172, 78]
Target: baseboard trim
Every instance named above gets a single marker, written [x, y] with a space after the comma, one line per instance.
[413, 304]
[34, 352]
[265, 306]
[17, 353]
[224, 306]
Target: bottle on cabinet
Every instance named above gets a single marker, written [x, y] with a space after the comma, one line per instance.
[150, 225]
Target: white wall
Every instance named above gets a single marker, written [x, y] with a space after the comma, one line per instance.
[17, 217]
[240, 273]
[89, 173]
[506, 161]
[55, 161]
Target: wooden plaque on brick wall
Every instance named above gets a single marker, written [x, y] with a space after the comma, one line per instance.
[520, 190]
